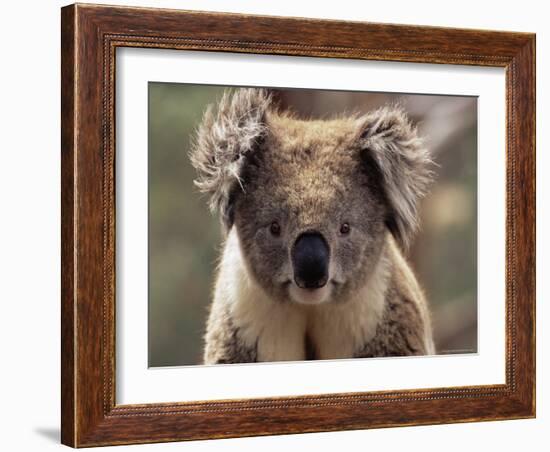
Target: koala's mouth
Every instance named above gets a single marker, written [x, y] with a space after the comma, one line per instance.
[310, 296]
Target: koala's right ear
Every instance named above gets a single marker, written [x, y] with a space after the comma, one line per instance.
[226, 135]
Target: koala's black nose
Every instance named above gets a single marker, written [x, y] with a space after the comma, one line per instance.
[310, 259]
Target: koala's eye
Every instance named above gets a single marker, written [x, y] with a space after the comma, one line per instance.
[275, 228]
[344, 229]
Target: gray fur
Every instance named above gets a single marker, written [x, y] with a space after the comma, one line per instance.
[394, 335]
[224, 344]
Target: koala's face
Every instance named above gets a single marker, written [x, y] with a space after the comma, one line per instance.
[312, 201]
[311, 219]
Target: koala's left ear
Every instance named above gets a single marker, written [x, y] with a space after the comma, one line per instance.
[226, 135]
[388, 140]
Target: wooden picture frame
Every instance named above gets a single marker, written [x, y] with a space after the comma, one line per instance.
[90, 35]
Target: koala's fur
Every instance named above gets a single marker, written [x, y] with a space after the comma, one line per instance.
[259, 166]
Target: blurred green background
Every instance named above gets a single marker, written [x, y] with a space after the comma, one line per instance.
[184, 238]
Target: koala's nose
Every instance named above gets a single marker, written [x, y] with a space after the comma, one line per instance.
[310, 259]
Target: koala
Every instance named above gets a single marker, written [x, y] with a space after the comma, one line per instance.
[316, 217]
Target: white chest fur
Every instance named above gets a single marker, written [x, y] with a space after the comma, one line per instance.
[279, 329]
[338, 330]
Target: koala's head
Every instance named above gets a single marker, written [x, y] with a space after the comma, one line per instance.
[312, 200]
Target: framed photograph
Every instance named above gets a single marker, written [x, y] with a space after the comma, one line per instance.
[281, 225]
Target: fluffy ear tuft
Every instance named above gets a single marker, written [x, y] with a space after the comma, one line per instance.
[226, 135]
[389, 140]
